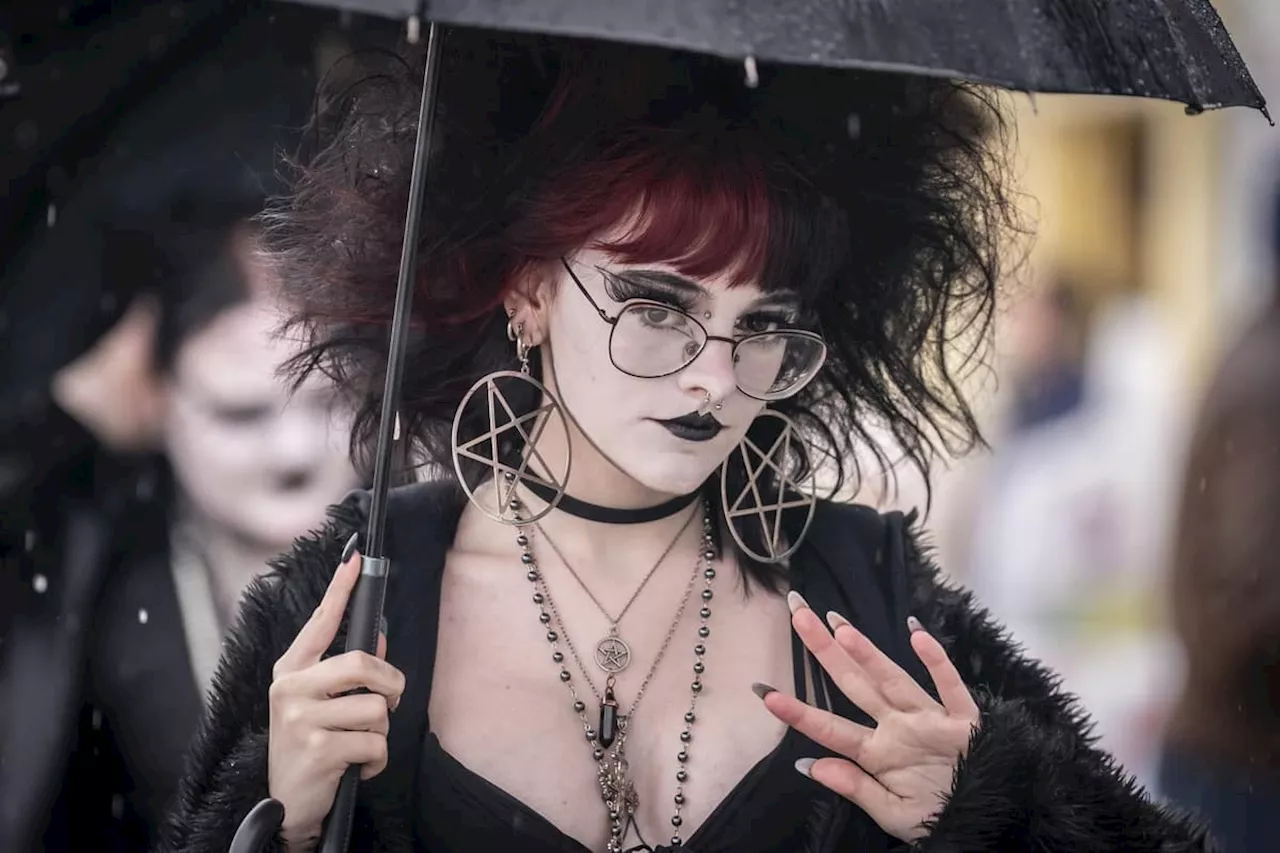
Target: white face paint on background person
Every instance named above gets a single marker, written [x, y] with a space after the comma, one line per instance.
[248, 454]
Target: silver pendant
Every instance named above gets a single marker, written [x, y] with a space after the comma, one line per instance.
[612, 654]
[619, 796]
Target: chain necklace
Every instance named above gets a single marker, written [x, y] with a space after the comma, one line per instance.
[608, 741]
[613, 654]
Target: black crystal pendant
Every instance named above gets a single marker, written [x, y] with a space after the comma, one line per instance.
[608, 729]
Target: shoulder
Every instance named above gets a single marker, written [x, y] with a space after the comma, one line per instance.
[887, 546]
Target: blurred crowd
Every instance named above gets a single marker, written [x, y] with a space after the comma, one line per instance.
[154, 456]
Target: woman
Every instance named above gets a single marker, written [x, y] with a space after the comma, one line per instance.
[640, 267]
[227, 467]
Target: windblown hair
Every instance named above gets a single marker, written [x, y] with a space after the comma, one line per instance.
[879, 197]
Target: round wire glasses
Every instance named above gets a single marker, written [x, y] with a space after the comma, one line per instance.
[651, 339]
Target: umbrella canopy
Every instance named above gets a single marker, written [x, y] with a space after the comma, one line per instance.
[1177, 50]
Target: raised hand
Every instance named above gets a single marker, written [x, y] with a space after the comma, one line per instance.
[901, 771]
[318, 725]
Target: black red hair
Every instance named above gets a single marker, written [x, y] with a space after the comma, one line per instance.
[879, 197]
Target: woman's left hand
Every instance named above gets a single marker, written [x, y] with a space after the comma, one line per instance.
[901, 771]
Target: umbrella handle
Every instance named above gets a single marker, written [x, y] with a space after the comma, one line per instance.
[364, 614]
[258, 827]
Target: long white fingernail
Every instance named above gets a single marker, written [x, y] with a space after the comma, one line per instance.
[835, 620]
[804, 766]
[913, 624]
[796, 602]
[349, 549]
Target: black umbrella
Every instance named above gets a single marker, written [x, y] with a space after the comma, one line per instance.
[1172, 49]
[1177, 50]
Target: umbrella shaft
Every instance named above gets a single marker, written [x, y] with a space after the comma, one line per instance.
[366, 609]
[373, 543]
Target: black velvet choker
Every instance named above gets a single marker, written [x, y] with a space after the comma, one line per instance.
[608, 514]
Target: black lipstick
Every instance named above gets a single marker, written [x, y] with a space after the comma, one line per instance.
[693, 427]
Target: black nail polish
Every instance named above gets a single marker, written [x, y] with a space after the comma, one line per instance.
[762, 690]
[349, 548]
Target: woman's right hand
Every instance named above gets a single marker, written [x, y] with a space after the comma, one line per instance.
[318, 727]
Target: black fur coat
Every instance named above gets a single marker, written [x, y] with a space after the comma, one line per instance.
[1032, 780]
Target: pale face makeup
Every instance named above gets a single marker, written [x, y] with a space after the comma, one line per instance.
[620, 418]
[247, 454]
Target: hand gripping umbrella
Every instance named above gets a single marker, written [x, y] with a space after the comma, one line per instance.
[1176, 50]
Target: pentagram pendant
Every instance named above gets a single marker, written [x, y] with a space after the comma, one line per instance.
[612, 654]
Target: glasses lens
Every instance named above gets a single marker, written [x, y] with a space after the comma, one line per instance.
[776, 365]
[653, 340]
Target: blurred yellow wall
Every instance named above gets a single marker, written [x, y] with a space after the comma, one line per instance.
[1124, 195]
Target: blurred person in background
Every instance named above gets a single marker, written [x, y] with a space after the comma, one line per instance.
[1072, 512]
[1222, 751]
[228, 466]
[150, 456]
[1050, 330]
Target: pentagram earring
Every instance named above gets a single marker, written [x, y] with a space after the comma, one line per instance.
[757, 490]
[506, 450]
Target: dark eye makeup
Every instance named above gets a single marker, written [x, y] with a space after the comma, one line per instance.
[654, 286]
[776, 311]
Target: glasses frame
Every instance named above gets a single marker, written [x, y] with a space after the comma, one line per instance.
[707, 338]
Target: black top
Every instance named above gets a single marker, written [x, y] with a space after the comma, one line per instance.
[771, 810]
[766, 812]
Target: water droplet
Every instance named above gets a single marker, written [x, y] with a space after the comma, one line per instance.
[29, 541]
[51, 216]
[142, 615]
[853, 125]
[40, 584]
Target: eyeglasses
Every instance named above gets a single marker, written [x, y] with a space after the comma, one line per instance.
[651, 339]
